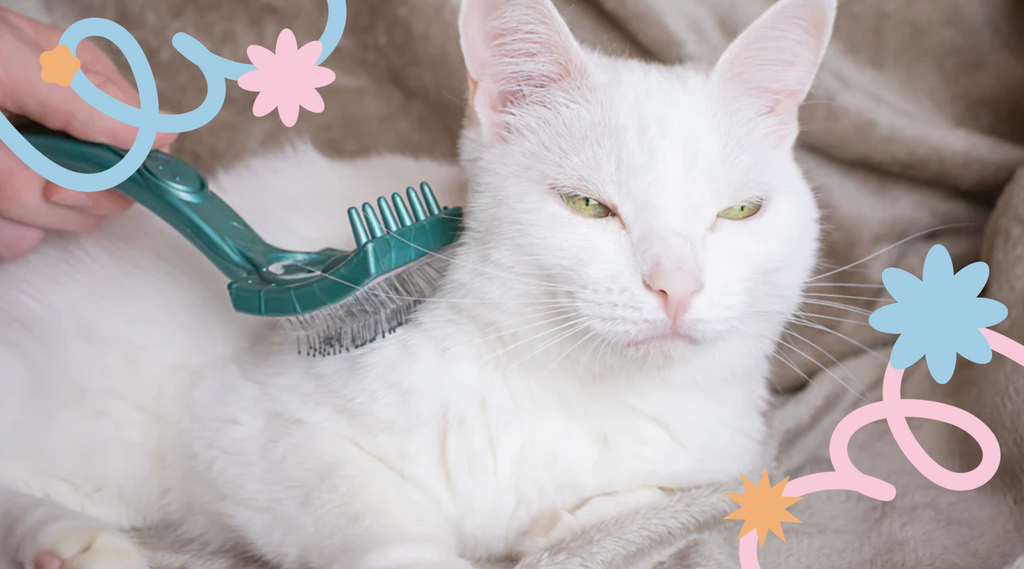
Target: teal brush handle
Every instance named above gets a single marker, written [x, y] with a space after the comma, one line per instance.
[179, 195]
[266, 280]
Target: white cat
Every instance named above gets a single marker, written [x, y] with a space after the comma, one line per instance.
[636, 235]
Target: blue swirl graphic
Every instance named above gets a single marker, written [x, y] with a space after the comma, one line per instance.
[216, 69]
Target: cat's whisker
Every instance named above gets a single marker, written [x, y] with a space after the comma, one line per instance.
[848, 297]
[857, 285]
[834, 318]
[463, 248]
[566, 311]
[821, 264]
[600, 354]
[889, 248]
[824, 265]
[532, 312]
[776, 352]
[823, 368]
[860, 384]
[570, 313]
[814, 325]
[567, 352]
[529, 312]
[594, 343]
[428, 299]
[483, 269]
[838, 306]
[782, 358]
[581, 324]
[536, 336]
[788, 316]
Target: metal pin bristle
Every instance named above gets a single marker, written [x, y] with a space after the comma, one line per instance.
[375, 312]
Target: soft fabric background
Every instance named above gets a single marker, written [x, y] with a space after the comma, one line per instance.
[916, 122]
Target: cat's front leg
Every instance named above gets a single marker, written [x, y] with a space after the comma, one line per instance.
[559, 525]
[383, 536]
[326, 502]
[365, 526]
[378, 530]
[36, 533]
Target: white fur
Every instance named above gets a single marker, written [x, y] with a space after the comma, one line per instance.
[530, 398]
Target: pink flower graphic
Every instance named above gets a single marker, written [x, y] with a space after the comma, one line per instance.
[287, 79]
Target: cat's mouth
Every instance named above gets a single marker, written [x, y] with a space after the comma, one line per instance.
[663, 339]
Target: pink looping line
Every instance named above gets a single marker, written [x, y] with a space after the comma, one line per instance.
[895, 410]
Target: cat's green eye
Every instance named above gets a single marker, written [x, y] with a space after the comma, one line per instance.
[587, 206]
[740, 211]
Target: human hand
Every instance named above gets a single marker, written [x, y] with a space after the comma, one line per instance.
[30, 205]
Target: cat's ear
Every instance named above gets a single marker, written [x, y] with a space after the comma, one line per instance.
[769, 69]
[515, 50]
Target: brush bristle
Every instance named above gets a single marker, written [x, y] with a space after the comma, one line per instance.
[373, 312]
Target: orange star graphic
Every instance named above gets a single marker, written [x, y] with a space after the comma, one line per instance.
[59, 66]
[763, 508]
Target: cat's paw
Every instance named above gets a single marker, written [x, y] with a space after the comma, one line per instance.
[608, 506]
[546, 531]
[561, 525]
[83, 546]
[410, 557]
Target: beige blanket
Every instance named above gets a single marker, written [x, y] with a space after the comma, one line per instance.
[916, 122]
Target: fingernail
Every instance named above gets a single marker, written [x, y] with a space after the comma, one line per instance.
[69, 198]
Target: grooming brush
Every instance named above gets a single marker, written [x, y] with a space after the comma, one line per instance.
[336, 300]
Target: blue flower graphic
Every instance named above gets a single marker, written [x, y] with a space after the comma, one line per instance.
[938, 316]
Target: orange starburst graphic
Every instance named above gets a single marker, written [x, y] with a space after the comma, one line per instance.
[763, 508]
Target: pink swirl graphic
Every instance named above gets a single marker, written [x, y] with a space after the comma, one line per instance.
[895, 411]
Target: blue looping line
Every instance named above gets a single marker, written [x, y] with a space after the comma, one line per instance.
[216, 69]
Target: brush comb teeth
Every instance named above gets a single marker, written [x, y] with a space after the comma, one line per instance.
[366, 225]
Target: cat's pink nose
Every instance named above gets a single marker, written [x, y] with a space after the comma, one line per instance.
[678, 287]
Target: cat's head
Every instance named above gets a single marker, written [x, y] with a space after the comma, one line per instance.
[642, 206]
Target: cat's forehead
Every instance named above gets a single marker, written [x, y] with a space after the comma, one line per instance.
[660, 131]
[655, 98]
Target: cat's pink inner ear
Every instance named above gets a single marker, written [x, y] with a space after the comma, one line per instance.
[515, 49]
[770, 68]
